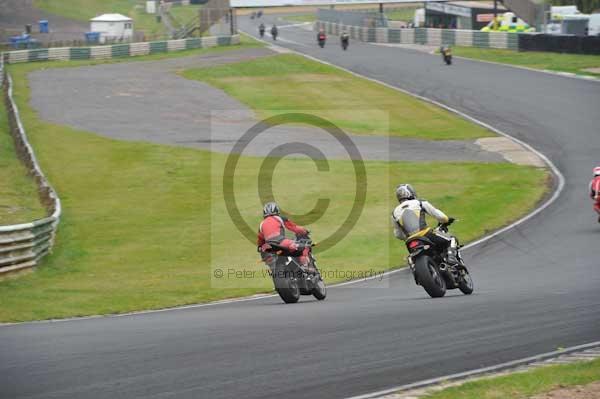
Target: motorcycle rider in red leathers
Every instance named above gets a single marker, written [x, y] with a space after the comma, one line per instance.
[272, 231]
[595, 190]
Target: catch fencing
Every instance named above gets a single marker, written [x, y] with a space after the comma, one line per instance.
[117, 50]
[23, 245]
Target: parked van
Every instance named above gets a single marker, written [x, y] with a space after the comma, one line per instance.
[594, 25]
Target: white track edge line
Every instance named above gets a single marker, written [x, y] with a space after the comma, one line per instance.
[483, 370]
[555, 171]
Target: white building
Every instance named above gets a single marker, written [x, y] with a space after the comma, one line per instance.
[112, 27]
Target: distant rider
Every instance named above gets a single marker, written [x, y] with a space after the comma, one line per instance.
[595, 190]
[271, 234]
[261, 29]
[345, 38]
[321, 36]
[409, 219]
[274, 32]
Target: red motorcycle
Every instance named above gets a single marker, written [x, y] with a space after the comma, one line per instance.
[321, 38]
[290, 277]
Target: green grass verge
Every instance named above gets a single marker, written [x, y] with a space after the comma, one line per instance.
[524, 385]
[144, 225]
[84, 10]
[19, 201]
[574, 63]
[184, 14]
[405, 14]
[301, 18]
[285, 82]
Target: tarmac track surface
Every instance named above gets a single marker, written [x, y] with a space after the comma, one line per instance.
[536, 285]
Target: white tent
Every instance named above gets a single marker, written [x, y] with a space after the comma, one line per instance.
[112, 27]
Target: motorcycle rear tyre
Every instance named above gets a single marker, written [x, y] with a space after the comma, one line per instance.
[429, 277]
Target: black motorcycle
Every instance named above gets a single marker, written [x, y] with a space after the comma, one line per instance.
[290, 278]
[261, 31]
[345, 41]
[431, 269]
[446, 54]
[274, 33]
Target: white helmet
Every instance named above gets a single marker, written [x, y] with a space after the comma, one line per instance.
[597, 171]
[405, 192]
[271, 209]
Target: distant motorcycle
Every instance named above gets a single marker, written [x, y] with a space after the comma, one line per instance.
[345, 40]
[290, 278]
[261, 30]
[446, 54]
[321, 38]
[274, 32]
[430, 268]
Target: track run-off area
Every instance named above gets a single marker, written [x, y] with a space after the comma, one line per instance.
[536, 283]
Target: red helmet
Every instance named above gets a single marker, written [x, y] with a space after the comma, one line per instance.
[597, 171]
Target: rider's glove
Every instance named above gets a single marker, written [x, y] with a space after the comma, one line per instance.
[265, 248]
[450, 221]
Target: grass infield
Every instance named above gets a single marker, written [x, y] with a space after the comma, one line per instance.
[293, 82]
[19, 201]
[524, 385]
[574, 63]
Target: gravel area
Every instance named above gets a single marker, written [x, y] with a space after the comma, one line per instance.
[590, 391]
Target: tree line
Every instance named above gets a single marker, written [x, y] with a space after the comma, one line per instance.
[585, 6]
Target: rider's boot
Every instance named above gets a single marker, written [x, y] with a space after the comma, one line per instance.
[452, 255]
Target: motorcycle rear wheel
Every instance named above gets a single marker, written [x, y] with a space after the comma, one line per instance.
[429, 277]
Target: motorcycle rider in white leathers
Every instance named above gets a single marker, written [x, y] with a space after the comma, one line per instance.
[409, 219]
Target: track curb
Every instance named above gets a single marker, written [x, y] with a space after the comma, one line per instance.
[415, 390]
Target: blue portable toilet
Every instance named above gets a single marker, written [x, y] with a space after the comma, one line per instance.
[44, 26]
[92, 37]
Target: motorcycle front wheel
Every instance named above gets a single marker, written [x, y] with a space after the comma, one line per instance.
[429, 277]
[320, 290]
[288, 289]
[465, 285]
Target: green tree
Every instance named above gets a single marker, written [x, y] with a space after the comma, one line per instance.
[585, 6]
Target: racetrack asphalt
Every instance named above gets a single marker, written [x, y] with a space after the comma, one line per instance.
[536, 286]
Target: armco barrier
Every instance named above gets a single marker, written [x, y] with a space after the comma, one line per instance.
[23, 245]
[427, 36]
[469, 38]
[117, 50]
